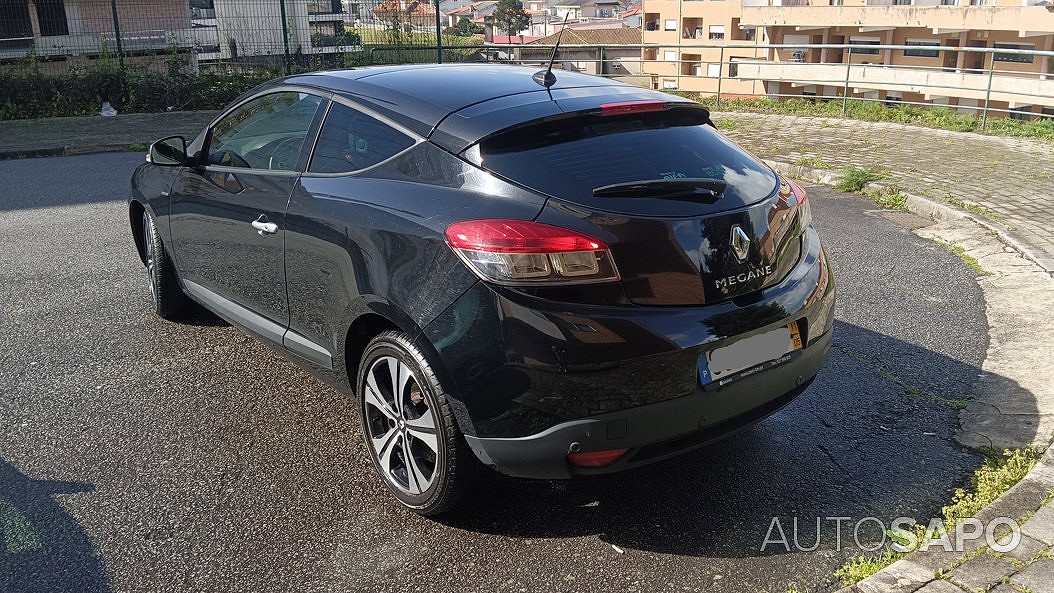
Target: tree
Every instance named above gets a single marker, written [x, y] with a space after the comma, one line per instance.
[509, 16]
[465, 28]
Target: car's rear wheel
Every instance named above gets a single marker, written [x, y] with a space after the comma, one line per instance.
[169, 300]
[409, 428]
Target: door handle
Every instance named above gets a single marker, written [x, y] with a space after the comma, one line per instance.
[263, 227]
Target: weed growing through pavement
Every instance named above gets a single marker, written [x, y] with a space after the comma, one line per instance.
[997, 475]
[961, 254]
[889, 197]
[854, 178]
[811, 161]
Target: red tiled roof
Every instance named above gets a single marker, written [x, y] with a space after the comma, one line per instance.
[409, 7]
[511, 39]
[617, 36]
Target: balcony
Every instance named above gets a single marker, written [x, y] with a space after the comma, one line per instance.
[1027, 21]
[929, 82]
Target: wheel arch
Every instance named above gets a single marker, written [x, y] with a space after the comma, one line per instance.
[135, 220]
[365, 327]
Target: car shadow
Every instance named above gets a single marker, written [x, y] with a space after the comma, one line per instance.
[872, 437]
[42, 548]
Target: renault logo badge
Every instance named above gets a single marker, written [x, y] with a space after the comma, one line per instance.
[740, 243]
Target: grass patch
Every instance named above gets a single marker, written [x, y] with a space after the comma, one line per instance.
[992, 480]
[861, 567]
[996, 476]
[978, 210]
[854, 178]
[726, 123]
[137, 147]
[889, 197]
[961, 254]
[811, 161]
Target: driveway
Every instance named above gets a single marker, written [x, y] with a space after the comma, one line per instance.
[142, 455]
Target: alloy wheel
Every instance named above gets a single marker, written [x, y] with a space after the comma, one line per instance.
[151, 254]
[401, 426]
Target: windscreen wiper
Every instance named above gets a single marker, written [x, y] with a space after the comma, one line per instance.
[700, 189]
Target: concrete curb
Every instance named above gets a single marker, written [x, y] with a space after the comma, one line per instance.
[8, 155]
[937, 570]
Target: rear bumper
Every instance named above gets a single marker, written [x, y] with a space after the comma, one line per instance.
[528, 378]
[657, 431]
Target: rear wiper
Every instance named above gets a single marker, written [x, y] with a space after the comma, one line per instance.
[703, 189]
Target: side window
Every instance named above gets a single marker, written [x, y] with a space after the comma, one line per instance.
[351, 141]
[265, 133]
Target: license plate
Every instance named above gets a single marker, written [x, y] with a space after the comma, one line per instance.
[752, 354]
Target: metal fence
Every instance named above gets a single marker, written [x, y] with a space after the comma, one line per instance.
[282, 35]
[970, 80]
[291, 35]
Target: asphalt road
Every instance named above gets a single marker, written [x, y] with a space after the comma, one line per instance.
[142, 455]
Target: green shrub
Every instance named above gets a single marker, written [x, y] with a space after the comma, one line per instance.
[28, 93]
[854, 179]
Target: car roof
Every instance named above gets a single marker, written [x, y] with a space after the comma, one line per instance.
[485, 97]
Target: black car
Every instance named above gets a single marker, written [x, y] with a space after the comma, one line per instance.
[553, 279]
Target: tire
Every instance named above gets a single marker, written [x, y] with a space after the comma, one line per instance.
[439, 468]
[169, 300]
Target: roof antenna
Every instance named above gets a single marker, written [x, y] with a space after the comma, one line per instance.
[546, 77]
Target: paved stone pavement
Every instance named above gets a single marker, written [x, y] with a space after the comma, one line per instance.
[1011, 179]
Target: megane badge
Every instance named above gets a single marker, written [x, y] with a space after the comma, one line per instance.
[740, 243]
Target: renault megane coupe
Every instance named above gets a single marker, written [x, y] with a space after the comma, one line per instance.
[552, 278]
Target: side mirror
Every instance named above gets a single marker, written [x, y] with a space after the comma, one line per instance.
[168, 152]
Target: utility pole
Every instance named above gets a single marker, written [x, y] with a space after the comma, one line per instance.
[117, 33]
[439, 37]
[285, 34]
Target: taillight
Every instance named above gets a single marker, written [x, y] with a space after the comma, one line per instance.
[632, 107]
[595, 458]
[521, 252]
[804, 208]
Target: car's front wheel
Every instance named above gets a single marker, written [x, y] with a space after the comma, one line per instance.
[169, 300]
[409, 428]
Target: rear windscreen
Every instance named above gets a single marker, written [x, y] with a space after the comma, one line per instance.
[570, 157]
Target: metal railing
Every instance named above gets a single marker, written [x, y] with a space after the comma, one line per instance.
[834, 72]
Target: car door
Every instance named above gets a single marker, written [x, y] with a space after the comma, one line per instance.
[228, 212]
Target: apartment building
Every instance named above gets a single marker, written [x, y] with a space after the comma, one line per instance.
[58, 31]
[697, 40]
[1022, 85]
[257, 31]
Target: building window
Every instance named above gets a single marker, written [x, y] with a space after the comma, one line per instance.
[713, 70]
[670, 25]
[949, 2]
[922, 53]
[901, 2]
[1023, 113]
[14, 21]
[651, 21]
[863, 41]
[1020, 58]
[669, 56]
[717, 32]
[51, 14]
[733, 67]
[668, 84]
[893, 100]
